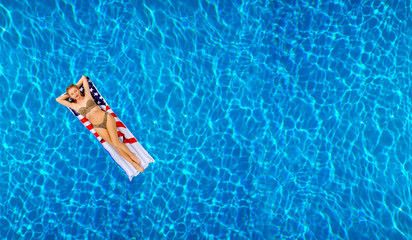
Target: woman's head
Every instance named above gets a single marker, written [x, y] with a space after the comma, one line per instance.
[73, 91]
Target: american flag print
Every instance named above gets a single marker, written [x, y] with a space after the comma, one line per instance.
[122, 131]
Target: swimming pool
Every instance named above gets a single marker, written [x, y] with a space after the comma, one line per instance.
[266, 119]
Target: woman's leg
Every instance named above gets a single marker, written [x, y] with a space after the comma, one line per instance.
[112, 129]
[105, 135]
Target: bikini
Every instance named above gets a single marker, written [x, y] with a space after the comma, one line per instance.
[90, 104]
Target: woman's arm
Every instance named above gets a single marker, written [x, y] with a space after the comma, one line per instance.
[62, 100]
[83, 81]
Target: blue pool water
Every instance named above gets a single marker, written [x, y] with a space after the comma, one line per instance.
[267, 119]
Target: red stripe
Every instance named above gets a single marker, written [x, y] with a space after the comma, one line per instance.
[112, 113]
[126, 140]
[120, 124]
[130, 140]
[83, 120]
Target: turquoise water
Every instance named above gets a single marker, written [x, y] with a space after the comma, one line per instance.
[266, 119]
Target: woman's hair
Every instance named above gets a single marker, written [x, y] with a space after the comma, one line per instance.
[73, 86]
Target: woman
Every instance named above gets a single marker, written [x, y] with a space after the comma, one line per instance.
[103, 122]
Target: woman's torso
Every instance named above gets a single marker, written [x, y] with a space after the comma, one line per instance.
[90, 110]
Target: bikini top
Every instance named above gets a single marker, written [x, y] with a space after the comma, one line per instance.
[90, 104]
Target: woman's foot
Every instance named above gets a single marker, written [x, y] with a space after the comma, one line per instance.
[138, 168]
[136, 159]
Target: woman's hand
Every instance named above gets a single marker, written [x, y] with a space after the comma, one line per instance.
[82, 81]
[64, 96]
[62, 100]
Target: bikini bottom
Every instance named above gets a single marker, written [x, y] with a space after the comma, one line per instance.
[103, 124]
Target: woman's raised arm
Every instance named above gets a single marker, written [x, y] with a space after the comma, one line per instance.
[62, 100]
[83, 81]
